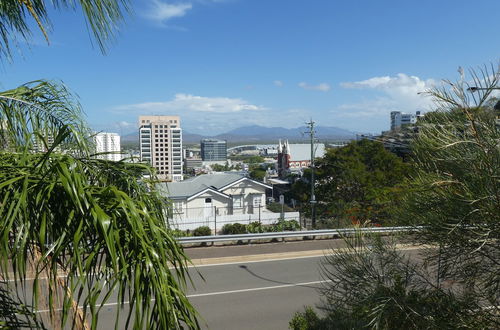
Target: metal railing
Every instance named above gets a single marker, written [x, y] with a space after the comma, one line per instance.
[290, 234]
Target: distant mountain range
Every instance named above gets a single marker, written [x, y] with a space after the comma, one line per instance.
[260, 134]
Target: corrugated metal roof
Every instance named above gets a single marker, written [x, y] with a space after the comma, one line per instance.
[196, 184]
[303, 151]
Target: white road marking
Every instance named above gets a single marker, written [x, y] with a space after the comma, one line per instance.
[256, 289]
[199, 266]
[212, 293]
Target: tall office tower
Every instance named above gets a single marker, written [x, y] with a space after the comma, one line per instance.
[213, 150]
[108, 142]
[160, 141]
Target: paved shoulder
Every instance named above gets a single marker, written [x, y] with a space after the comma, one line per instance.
[263, 248]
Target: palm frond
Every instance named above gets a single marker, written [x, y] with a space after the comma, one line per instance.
[100, 223]
[103, 18]
[34, 115]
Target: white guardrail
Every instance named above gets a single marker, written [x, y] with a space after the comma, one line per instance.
[287, 234]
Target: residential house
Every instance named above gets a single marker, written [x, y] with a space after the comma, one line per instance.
[217, 198]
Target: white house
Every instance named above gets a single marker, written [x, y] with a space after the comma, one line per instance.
[215, 199]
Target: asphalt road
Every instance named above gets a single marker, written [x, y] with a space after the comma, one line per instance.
[256, 295]
[249, 287]
[247, 295]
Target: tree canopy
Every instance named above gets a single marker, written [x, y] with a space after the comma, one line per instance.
[358, 182]
[452, 201]
[455, 191]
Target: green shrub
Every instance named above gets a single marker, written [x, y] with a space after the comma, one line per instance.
[306, 320]
[234, 228]
[285, 225]
[180, 233]
[202, 231]
[255, 227]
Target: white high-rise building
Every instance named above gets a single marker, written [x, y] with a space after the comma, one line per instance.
[108, 142]
[399, 119]
[160, 142]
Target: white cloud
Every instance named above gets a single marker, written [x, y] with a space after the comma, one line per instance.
[186, 102]
[125, 124]
[278, 83]
[392, 93]
[401, 82]
[211, 115]
[373, 108]
[400, 92]
[161, 12]
[323, 87]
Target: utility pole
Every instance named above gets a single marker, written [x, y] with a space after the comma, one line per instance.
[310, 126]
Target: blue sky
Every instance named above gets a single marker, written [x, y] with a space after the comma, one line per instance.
[222, 64]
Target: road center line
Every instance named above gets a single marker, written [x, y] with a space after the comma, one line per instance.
[256, 289]
[212, 293]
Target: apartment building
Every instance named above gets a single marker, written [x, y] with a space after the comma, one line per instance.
[108, 142]
[399, 119]
[160, 142]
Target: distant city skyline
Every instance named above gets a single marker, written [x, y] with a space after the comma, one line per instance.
[223, 64]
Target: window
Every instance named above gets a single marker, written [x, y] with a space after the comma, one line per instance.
[257, 200]
[237, 201]
[208, 200]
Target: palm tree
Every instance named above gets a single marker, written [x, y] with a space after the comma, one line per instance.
[73, 229]
[72, 222]
[103, 18]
